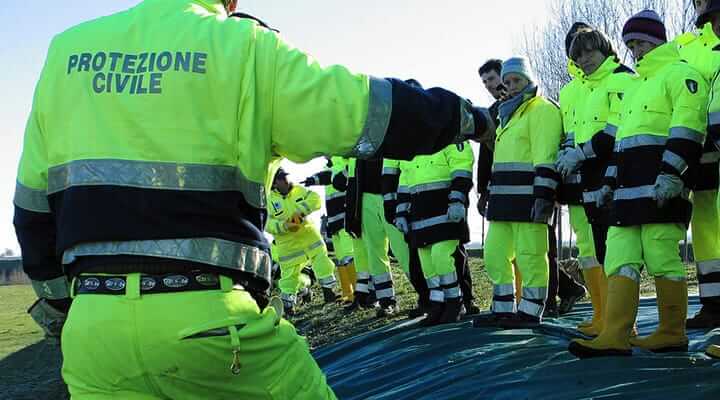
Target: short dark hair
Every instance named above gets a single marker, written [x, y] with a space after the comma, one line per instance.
[492, 64]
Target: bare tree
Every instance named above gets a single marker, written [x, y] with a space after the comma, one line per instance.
[544, 44]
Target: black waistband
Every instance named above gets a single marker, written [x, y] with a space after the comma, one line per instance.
[149, 283]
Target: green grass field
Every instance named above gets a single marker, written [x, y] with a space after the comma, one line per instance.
[29, 365]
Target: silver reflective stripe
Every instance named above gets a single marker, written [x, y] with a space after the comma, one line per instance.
[426, 223]
[31, 199]
[437, 296]
[546, 182]
[362, 287]
[503, 306]
[513, 167]
[452, 293]
[710, 158]
[681, 132]
[391, 171]
[462, 174]
[371, 286]
[433, 282]
[457, 196]
[639, 192]
[611, 172]
[155, 175]
[317, 244]
[390, 196]
[512, 189]
[504, 290]
[336, 218]
[382, 278]
[675, 161]
[631, 272]
[537, 293]
[589, 262]
[714, 118]
[449, 279]
[362, 275]
[591, 197]
[709, 290]
[305, 207]
[611, 130]
[346, 260]
[377, 120]
[328, 282]
[426, 187]
[639, 141]
[402, 207]
[53, 289]
[708, 267]
[573, 179]
[335, 195]
[403, 189]
[530, 308]
[211, 251]
[588, 150]
[385, 293]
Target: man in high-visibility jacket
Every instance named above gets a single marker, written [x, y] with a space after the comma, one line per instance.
[435, 219]
[659, 139]
[710, 16]
[297, 241]
[700, 51]
[341, 240]
[151, 142]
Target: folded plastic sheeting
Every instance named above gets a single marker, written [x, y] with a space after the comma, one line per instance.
[404, 361]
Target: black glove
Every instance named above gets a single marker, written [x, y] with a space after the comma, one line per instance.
[310, 181]
[483, 198]
[542, 211]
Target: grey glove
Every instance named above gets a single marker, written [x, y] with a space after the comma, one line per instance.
[667, 187]
[456, 212]
[542, 211]
[604, 197]
[402, 224]
[569, 161]
[50, 319]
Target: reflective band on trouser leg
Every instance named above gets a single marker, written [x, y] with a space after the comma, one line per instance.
[194, 349]
[362, 273]
[498, 256]
[399, 247]
[323, 266]
[531, 247]
[436, 293]
[383, 285]
[706, 246]
[624, 247]
[585, 242]
[342, 242]
[362, 284]
[661, 252]
[373, 234]
[444, 267]
[533, 301]
[431, 277]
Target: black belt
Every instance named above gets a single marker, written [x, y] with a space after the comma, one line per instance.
[149, 284]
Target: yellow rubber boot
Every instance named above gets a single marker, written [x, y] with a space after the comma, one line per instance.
[672, 297]
[622, 307]
[347, 281]
[713, 351]
[596, 283]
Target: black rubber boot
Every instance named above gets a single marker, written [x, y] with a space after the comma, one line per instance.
[704, 319]
[421, 309]
[520, 321]
[330, 296]
[387, 308]
[454, 309]
[434, 315]
[490, 319]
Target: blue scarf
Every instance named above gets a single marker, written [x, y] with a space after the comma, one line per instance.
[508, 107]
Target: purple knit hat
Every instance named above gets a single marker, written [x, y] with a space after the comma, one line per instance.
[645, 25]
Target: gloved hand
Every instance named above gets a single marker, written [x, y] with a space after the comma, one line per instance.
[542, 211]
[484, 127]
[402, 224]
[605, 197]
[667, 187]
[483, 202]
[291, 226]
[456, 212]
[50, 319]
[569, 161]
[310, 181]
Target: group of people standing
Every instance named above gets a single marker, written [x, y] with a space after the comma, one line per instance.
[632, 151]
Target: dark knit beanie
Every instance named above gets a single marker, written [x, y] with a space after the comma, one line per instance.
[645, 25]
[571, 33]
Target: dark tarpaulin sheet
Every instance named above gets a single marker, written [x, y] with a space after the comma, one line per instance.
[456, 361]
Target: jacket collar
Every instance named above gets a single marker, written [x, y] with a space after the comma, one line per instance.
[213, 6]
[656, 59]
[606, 68]
[574, 70]
[708, 36]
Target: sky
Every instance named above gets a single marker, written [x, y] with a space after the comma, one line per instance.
[439, 43]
